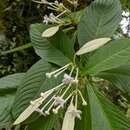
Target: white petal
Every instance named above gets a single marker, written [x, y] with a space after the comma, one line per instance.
[50, 31]
[28, 111]
[69, 120]
[92, 45]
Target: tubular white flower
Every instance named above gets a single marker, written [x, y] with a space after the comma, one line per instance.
[75, 113]
[69, 120]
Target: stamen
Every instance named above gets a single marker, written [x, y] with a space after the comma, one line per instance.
[84, 103]
[53, 72]
[66, 90]
[60, 72]
[47, 103]
[61, 14]
[76, 101]
[48, 111]
[76, 77]
[47, 93]
[41, 2]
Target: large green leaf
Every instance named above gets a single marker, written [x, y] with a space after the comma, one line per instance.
[114, 54]
[58, 52]
[63, 43]
[103, 114]
[100, 19]
[8, 87]
[43, 123]
[10, 82]
[33, 83]
[6, 102]
[119, 77]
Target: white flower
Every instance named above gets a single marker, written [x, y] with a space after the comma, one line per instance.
[46, 19]
[67, 79]
[59, 101]
[69, 120]
[75, 113]
[126, 13]
[40, 111]
[125, 23]
[70, 115]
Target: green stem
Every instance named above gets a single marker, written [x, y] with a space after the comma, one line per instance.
[26, 46]
[17, 127]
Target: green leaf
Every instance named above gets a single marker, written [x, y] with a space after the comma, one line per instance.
[8, 86]
[6, 102]
[33, 83]
[43, 123]
[104, 114]
[100, 19]
[63, 43]
[113, 55]
[10, 82]
[119, 77]
[51, 52]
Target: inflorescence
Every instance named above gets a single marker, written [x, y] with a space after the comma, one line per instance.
[54, 99]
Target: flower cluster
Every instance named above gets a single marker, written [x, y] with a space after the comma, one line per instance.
[125, 22]
[54, 99]
[53, 19]
[57, 7]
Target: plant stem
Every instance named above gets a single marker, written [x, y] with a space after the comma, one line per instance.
[26, 46]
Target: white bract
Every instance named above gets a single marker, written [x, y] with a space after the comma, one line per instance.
[29, 110]
[50, 32]
[32, 107]
[92, 45]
